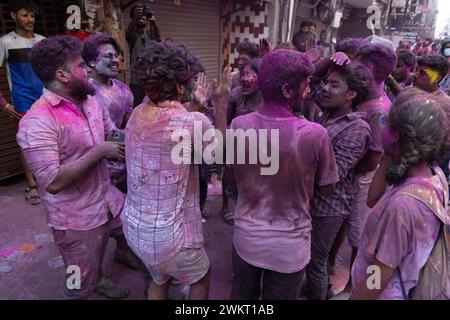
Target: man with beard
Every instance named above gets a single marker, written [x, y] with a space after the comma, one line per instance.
[272, 235]
[24, 85]
[63, 140]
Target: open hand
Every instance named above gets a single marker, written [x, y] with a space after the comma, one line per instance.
[200, 89]
[221, 91]
[341, 59]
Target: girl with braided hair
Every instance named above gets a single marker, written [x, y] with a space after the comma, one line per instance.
[401, 230]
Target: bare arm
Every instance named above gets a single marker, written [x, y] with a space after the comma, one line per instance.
[72, 172]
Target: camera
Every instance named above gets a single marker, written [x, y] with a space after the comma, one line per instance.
[147, 11]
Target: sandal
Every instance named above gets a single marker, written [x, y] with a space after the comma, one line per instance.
[32, 196]
[228, 218]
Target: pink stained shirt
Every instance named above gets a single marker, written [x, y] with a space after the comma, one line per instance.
[162, 211]
[272, 218]
[400, 232]
[117, 99]
[56, 132]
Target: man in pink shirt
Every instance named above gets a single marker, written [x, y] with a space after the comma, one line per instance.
[272, 236]
[63, 140]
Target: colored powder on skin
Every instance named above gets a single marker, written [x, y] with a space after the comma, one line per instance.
[433, 75]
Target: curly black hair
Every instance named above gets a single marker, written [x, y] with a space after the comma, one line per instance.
[162, 65]
[93, 42]
[437, 63]
[50, 54]
[358, 79]
[247, 47]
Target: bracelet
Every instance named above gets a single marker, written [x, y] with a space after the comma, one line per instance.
[5, 107]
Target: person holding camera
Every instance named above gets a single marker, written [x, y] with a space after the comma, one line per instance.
[141, 30]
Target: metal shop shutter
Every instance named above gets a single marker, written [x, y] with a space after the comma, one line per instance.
[196, 23]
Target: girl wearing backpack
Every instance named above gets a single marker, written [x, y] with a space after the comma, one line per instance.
[404, 226]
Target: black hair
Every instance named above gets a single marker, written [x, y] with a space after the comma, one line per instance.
[162, 65]
[17, 5]
[422, 124]
[93, 42]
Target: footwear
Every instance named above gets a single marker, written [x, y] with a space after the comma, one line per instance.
[228, 218]
[106, 287]
[32, 196]
[127, 258]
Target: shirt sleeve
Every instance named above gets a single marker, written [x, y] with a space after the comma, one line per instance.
[350, 148]
[327, 172]
[38, 139]
[3, 52]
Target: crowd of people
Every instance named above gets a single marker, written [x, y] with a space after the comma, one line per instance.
[362, 138]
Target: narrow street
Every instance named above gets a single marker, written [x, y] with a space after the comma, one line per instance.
[31, 268]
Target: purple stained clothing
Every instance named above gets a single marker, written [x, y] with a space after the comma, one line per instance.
[239, 104]
[376, 110]
[350, 137]
[161, 214]
[55, 132]
[117, 99]
[400, 232]
[272, 220]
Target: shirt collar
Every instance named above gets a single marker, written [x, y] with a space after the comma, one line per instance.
[54, 99]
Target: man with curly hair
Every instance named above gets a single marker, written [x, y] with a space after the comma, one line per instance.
[162, 219]
[63, 140]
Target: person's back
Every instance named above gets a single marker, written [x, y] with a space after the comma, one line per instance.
[271, 207]
[272, 221]
[163, 195]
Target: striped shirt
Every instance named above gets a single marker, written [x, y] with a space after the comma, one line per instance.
[24, 85]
